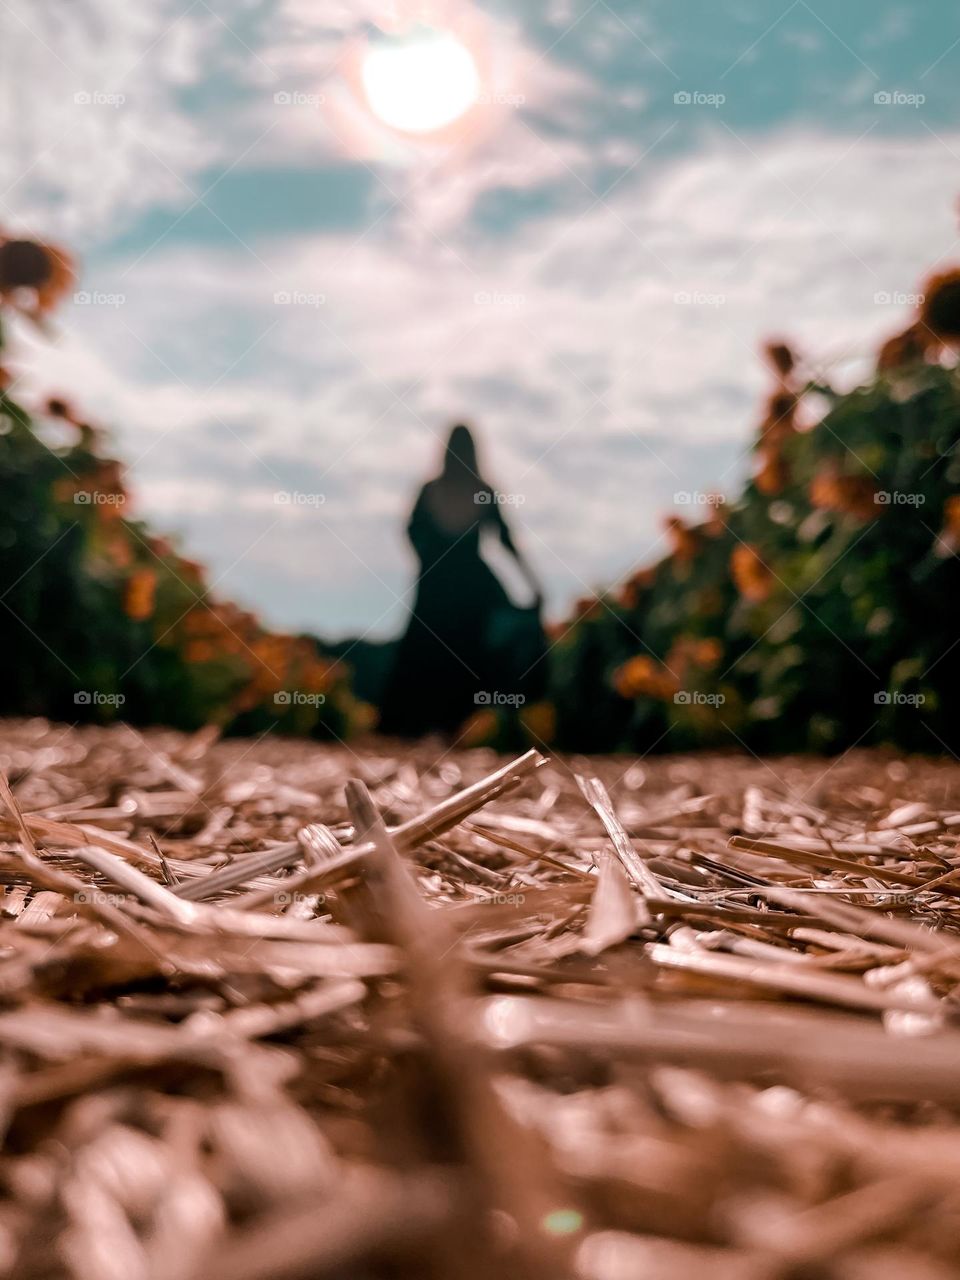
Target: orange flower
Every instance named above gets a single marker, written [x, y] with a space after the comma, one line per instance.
[479, 729]
[773, 475]
[196, 651]
[951, 515]
[161, 547]
[643, 677]
[780, 357]
[940, 309]
[364, 717]
[779, 417]
[715, 525]
[24, 264]
[64, 488]
[540, 721]
[633, 590]
[685, 542]
[63, 277]
[190, 570]
[849, 495]
[140, 595]
[109, 475]
[689, 651]
[708, 652]
[911, 347]
[34, 276]
[753, 578]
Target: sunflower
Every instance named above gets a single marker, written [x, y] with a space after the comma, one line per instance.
[34, 276]
[848, 495]
[479, 729]
[781, 358]
[911, 347]
[752, 576]
[586, 607]
[779, 417]
[693, 651]
[635, 587]
[643, 677]
[773, 474]
[707, 652]
[940, 309]
[540, 721]
[685, 543]
[24, 264]
[140, 595]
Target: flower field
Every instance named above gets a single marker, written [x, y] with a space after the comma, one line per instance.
[815, 610]
[820, 607]
[104, 619]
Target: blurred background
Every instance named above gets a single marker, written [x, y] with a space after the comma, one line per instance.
[298, 240]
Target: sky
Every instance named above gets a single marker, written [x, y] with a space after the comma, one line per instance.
[285, 300]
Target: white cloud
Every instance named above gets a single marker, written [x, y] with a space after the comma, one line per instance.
[124, 107]
[101, 132]
[597, 393]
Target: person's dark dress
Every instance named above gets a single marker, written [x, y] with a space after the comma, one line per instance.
[450, 652]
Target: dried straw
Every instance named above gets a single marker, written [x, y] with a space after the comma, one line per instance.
[283, 1010]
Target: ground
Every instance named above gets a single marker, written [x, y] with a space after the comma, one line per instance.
[599, 1017]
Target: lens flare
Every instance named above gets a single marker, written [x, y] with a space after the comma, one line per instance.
[421, 83]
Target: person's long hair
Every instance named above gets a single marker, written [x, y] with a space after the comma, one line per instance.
[461, 468]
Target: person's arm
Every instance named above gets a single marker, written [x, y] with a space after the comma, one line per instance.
[506, 540]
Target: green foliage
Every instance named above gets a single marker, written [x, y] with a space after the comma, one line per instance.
[101, 619]
[846, 631]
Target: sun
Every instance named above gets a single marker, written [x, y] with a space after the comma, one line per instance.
[422, 83]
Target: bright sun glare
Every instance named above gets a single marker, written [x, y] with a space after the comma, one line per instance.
[420, 84]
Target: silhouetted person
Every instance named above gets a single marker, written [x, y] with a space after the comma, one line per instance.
[467, 643]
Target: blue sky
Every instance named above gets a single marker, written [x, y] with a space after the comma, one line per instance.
[585, 276]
